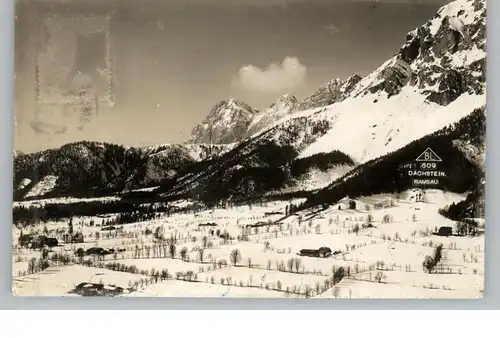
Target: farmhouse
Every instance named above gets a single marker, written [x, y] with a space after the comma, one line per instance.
[96, 289]
[38, 242]
[345, 203]
[445, 231]
[210, 224]
[321, 252]
[97, 251]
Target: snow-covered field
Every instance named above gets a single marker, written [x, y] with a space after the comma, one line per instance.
[267, 263]
[175, 288]
[58, 280]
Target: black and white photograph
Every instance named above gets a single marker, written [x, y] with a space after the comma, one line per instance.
[249, 149]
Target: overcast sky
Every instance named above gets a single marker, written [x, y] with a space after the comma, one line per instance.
[173, 65]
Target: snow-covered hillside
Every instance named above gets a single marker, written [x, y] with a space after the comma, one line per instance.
[44, 186]
[435, 79]
[284, 106]
[165, 160]
[366, 130]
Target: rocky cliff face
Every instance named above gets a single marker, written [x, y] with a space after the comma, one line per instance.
[443, 59]
[228, 122]
[331, 92]
[232, 121]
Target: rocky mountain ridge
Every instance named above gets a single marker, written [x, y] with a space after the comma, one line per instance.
[232, 121]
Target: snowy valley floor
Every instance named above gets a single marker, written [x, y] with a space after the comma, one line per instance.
[383, 260]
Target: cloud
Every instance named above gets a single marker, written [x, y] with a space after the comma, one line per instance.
[276, 77]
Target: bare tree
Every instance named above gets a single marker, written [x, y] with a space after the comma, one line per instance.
[298, 263]
[235, 257]
[356, 229]
[290, 264]
[379, 276]
[201, 253]
[32, 265]
[225, 235]
[172, 249]
[184, 252]
[336, 291]
[317, 286]
[80, 253]
[307, 290]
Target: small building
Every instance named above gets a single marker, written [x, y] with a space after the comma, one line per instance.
[40, 241]
[97, 251]
[86, 289]
[51, 242]
[321, 252]
[210, 224]
[445, 231]
[224, 235]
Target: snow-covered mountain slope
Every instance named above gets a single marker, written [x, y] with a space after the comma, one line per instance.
[87, 168]
[46, 185]
[164, 161]
[436, 78]
[386, 174]
[366, 130]
[285, 105]
[265, 162]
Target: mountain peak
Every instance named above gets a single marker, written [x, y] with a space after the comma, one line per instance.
[226, 123]
[287, 98]
[443, 59]
[234, 102]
